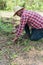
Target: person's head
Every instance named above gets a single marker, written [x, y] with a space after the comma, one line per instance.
[18, 10]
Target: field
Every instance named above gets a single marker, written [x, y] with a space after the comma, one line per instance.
[23, 52]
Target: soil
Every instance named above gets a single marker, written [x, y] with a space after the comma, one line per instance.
[14, 53]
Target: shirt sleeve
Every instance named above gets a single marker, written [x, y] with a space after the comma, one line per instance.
[23, 21]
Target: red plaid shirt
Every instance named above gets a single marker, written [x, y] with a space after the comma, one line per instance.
[32, 18]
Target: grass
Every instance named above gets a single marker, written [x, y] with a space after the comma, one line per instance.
[14, 63]
[5, 27]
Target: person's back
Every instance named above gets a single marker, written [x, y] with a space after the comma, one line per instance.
[35, 20]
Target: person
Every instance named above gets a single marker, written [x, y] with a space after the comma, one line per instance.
[29, 19]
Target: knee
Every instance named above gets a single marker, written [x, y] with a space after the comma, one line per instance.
[33, 39]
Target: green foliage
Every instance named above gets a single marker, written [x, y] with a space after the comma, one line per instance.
[9, 5]
[35, 5]
[27, 48]
[13, 63]
[5, 27]
[2, 4]
[14, 55]
[28, 4]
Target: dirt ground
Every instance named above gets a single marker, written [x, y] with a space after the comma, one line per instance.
[20, 54]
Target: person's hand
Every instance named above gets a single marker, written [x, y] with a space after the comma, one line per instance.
[15, 39]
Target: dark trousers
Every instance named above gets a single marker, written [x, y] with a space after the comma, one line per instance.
[35, 34]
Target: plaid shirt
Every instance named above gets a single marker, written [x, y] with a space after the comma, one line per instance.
[32, 18]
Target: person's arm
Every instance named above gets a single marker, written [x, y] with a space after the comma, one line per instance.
[19, 30]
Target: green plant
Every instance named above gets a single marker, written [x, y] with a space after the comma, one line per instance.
[5, 27]
[28, 4]
[2, 4]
